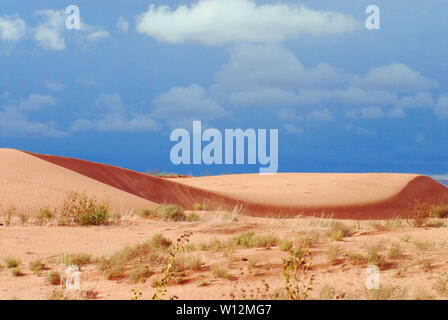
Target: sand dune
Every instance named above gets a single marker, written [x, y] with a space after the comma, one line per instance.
[45, 178]
[29, 183]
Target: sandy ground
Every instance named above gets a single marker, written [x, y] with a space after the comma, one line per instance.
[281, 205]
[405, 278]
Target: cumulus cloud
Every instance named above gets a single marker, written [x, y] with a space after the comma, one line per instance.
[274, 66]
[122, 25]
[181, 105]
[97, 35]
[37, 102]
[441, 109]
[112, 116]
[397, 76]
[14, 120]
[321, 115]
[216, 22]
[358, 130]
[366, 113]
[12, 29]
[51, 32]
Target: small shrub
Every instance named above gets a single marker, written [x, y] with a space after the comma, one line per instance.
[77, 259]
[395, 252]
[81, 210]
[435, 224]
[298, 284]
[138, 273]
[16, 272]
[10, 214]
[45, 216]
[193, 217]
[356, 258]
[37, 267]
[338, 231]
[439, 211]
[375, 258]
[23, 219]
[54, 278]
[419, 213]
[218, 272]
[198, 207]
[171, 212]
[249, 240]
[147, 213]
[11, 262]
[285, 245]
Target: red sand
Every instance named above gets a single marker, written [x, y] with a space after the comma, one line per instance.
[346, 196]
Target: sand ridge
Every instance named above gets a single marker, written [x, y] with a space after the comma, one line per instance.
[345, 196]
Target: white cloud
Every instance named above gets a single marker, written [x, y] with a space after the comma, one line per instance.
[397, 76]
[112, 116]
[275, 66]
[97, 35]
[122, 25]
[321, 115]
[358, 130]
[441, 109]
[14, 120]
[36, 102]
[293, 129]
[53, 86]
[396, 113]
[366, 113]
[12, 29]
[49, 33]
[181, 105]
[215, 22]
[420, 100]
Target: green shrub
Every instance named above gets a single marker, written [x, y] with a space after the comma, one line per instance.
[249, 240]
[285, 245]
[81, 210]
[76, 259]
[171, 212]
[439, 211]
[54, 278]
[37, 267]
[11, 262]
[338, 231]
[375, 258]
[147, 213]
[395, 252]
[45, 215]
[193, 217]
[138, 273]
[198, 207]
[16, 272]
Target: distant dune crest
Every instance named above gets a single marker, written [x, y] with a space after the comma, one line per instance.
[31, 181]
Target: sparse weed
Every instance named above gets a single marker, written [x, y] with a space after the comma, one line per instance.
[37, 267]
[79, 209]
[11, 262]
[171, 212]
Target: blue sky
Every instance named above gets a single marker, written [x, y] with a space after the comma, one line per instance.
[344, 98]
